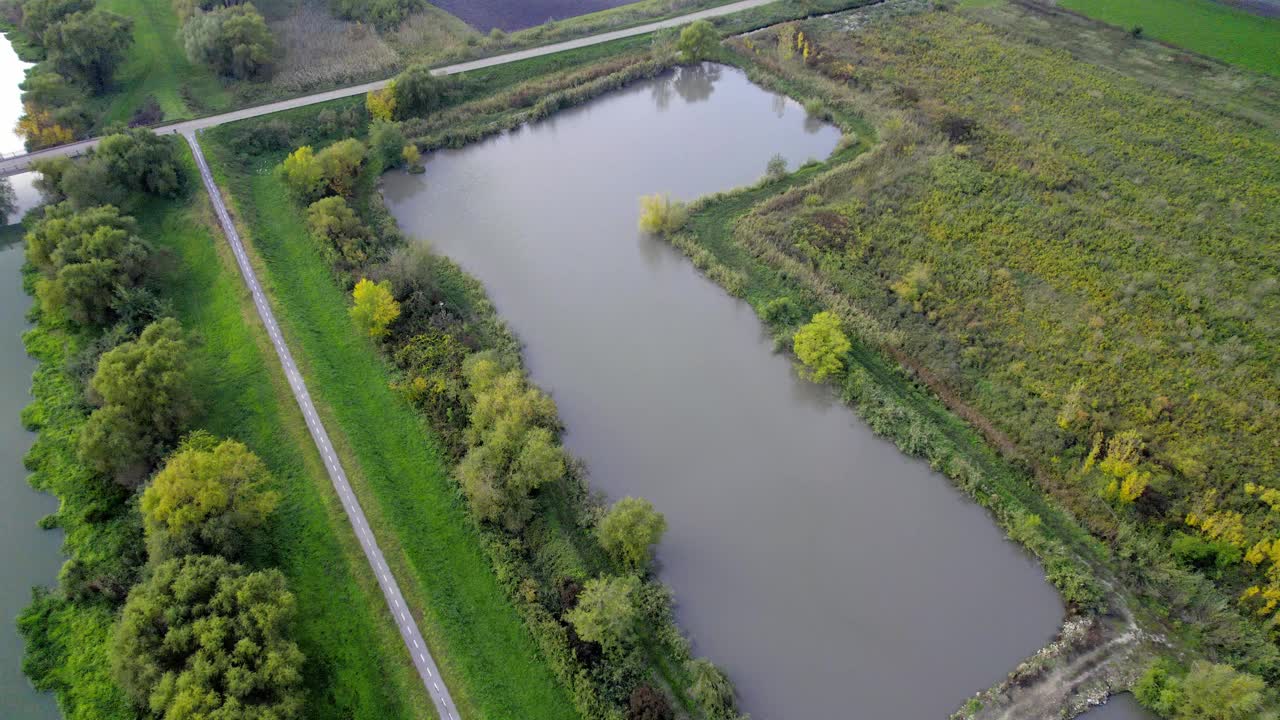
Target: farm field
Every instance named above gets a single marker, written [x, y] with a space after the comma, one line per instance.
[1204, 26]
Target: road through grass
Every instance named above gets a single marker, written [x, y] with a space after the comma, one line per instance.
[489, 659]
[356, 664]
[1203, 26]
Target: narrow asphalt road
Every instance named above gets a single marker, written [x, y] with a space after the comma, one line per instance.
[21, 163]
[422, 660]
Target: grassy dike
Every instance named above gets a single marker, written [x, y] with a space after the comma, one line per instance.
[480, 643]
[356, 664]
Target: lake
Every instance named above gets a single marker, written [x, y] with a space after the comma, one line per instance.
[829, 574]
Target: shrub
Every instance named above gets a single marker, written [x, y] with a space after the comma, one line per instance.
[630, 530]
[821, 345]
[418, 91]
[776, 167]
[89, 46]
[207, 637]
[145, 402]
[374, 307]
[606, 611]
[387, 142]
[381, 104]
[208, 499]
[83, 259]
[698, 41]
[234, 41]
[660, 215]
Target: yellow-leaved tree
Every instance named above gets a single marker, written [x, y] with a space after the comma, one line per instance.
[382, 103]
[375, 308]
[821, 345]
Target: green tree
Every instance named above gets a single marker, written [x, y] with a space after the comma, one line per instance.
[387, 142]
[1219, 692]
[712, 690]
[630, 530]
[340, 164]
[333, 223]
[144, 396]
[302, 174]
[606, 611]
[8, 201]
[821, 345]
[418, 91]
[143, 161]
[209, 497]
[512, 450]
[234, 41]
[698, 40]
[83, 260]
[89, 46]
[204, 638]
[381, 104]
[39, 15]
[375, 308]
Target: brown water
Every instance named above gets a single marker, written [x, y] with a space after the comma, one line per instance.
[830, 575]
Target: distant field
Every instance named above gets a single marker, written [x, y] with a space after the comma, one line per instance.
[1202, 26]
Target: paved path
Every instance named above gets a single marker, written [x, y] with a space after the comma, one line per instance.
[21, 163]
[422, 660]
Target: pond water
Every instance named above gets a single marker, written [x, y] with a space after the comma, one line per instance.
[28, 555]
[508, 15]
[829, 574]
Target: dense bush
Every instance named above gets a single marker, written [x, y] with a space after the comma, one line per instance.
[821, 345]
[630, 530]
[202, 637]
[342, 236]
[418, 91]
[234, 40]
[661, 215]
[209, 498]
[89, 46]
[144, 400]
[83, 260]
[698, 41]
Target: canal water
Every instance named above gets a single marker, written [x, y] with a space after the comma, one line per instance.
[28, 555]
[830, 575]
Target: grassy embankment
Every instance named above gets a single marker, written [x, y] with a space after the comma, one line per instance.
[1203, 26]
[356, 663]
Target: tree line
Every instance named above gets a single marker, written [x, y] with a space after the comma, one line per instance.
[200, 632]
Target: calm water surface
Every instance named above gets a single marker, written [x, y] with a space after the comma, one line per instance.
[28, 555]
[829, 574]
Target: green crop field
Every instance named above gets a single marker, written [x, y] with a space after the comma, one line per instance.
[1203, 26]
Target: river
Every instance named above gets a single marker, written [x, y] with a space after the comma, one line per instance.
[830, 575]
[28, 555]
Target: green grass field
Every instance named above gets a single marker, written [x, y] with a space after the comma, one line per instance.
[157, 65]
[1203, 26]
[481, 644]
